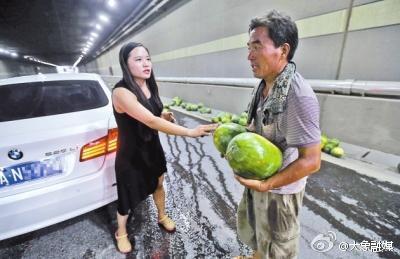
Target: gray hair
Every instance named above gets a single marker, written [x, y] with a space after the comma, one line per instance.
[281, 29]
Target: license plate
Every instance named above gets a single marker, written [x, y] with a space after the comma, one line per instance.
[29, 171]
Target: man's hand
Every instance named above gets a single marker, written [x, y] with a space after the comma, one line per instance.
[256, 185]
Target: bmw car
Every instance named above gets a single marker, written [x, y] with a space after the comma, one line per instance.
[58, 138]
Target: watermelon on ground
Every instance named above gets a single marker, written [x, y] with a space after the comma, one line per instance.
[327, 148]
[324, 141]
[235, 118]
[337, 152]
[225, 120]
[334, 142]
[177, 100]
[215, 119]
[243, 121]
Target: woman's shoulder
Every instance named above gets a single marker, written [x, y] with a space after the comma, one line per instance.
[119, 84]
[120, 87]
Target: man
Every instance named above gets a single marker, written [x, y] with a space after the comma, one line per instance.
[285, 110]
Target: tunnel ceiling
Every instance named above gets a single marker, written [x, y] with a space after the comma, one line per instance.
[57, 31]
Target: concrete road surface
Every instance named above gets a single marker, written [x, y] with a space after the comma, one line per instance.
[345, 215]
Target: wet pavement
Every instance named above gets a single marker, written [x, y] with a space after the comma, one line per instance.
[340, 207]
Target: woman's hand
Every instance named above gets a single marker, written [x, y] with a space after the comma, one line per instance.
[202, 130]
[169, 116]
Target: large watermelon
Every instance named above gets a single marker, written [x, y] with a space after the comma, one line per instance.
[253, 156]
[224, 133]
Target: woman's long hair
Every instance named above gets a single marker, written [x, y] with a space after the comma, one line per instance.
[129, 80]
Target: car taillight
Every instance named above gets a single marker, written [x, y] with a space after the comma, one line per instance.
[101, 146]
[112, 140]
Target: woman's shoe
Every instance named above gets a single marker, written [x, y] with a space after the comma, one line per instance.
[123, 244]
[167, 224]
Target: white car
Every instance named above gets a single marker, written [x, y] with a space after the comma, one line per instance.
[58, 138]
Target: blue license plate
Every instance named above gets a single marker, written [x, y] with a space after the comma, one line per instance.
[28, 171]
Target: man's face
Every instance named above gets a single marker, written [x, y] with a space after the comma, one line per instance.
[265, 59]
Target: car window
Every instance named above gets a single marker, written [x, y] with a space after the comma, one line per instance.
[37, 99]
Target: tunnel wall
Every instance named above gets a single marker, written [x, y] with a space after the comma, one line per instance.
[206, 38]
[370, 122]
[365, 121]
[13, 68]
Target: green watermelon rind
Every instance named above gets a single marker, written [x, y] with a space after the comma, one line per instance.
[253, 156]
[337, 152]
[224, 133]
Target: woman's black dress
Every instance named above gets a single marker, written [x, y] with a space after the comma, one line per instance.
[140, 158]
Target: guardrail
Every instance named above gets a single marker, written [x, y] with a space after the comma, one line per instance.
[389, 89]
[348, 87]
[344, 114]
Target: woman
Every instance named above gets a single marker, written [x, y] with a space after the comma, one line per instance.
[140, 161]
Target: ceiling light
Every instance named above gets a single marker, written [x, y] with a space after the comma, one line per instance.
[14, 55]
[111, 3]
[98, 26]
[104, 18]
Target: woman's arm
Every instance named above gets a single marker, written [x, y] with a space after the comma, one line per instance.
[125, 101]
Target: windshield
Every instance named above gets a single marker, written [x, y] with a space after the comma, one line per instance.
[37, 99]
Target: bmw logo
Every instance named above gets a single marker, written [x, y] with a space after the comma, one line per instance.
[15, 154]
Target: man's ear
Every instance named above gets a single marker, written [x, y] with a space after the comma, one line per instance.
[285, 50]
